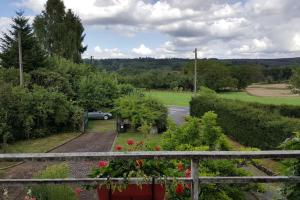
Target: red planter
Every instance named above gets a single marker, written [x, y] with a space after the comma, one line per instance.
[133, 192]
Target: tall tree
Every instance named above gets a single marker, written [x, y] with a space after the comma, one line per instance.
[33, 55]
[60, 32]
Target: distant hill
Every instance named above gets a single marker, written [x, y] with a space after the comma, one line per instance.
[269, 63]
[178, 63]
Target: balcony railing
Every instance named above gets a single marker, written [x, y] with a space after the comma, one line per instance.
[194, 156]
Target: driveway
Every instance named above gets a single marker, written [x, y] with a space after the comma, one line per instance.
[178, 113]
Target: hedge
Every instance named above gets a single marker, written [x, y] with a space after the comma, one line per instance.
[250, 125]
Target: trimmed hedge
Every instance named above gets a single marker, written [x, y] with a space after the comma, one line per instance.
[249, 124]
[284, 110]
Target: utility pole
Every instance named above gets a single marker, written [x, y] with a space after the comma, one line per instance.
[195, 72]
[20, 58]
[92, 60]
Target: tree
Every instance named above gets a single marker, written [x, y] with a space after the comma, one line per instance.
[295, 80]
[246, 75]
[33, 55]
[212, 74]
[60, 32]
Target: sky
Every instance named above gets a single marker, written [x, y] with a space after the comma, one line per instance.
[173, 28]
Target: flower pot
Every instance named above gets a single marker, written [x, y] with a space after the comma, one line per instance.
[133, 192]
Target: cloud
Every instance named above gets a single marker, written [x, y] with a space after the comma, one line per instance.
[4, 24]
[142, 50]
[226, 29]
[106, 53]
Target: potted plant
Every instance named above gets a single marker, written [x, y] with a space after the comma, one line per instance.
[147, 169]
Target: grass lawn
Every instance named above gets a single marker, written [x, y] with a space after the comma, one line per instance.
[101, 126]
[171, 98]
[39, 145]
[243, 96]
[183, 98]
[151, 140]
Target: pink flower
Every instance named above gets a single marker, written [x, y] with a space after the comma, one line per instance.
[118, 147]
[179, 189]
[188, 173]
[130, 142]
[26, 198]
[102, 163]
[180, 167]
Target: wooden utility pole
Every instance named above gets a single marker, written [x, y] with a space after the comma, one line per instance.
[195, 72]
[20, 58]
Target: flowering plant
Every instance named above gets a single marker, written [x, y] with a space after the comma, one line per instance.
[145, 168]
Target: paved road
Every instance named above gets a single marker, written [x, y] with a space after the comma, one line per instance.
[178, 113]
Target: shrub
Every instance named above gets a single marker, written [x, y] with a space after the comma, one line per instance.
[97, 91]
[249, 125]
[36, 112]
[54, 192]
[140, 110]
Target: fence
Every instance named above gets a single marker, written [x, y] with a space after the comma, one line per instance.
[194, 156]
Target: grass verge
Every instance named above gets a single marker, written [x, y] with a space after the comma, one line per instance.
[101, 126]
[151, 140]
[39, 145]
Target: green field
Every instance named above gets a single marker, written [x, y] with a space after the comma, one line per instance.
[183, 98]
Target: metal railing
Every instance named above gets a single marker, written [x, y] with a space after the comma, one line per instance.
[194, 156]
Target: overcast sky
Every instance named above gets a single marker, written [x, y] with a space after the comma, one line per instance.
[173, 28]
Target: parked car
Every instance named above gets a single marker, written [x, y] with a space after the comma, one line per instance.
[99, 115]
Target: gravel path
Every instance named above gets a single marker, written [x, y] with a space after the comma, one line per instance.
[89, 142]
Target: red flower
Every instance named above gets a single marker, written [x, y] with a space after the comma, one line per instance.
[118, 147]
[188, 173]
[102, 163]
[157, 148]
[130, 142]
[139, 163]
[179, 189]
[78, 190]
[180, 166]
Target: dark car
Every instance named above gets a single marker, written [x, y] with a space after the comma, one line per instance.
[99, 115]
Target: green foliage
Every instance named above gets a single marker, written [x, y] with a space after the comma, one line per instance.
[212, 74]
[246, 75]
[37, 112]
[96, 91]
[249, 125]
[60, 32]
[51, 80]
[54, 192]
[12, 76]
[193, 134]
[33, 55]
[292, 191]
[295, 80]
[142, 110]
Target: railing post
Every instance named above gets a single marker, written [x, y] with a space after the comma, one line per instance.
[195, 177]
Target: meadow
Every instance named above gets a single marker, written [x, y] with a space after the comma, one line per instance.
[183, 98]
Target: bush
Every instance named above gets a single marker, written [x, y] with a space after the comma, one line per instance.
[97, 91]
[37, 112]
[140, 110]
[249, 125]
[54, 192]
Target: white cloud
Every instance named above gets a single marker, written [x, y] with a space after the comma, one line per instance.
[4, 24]
[107, 53]
[142, 50]
[296, 42]
[235, 28]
